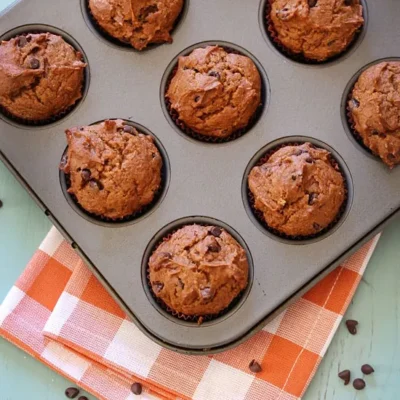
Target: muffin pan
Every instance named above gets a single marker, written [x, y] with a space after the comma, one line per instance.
[205, 179]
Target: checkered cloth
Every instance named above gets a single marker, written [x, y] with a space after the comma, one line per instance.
[59, 313]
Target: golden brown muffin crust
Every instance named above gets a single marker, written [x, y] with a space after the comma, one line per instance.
[317, 29]
[298, 190]
[40, 76]
[199, 270]
[138, 22]
[214, 92]
[114, 170]
[375, 110]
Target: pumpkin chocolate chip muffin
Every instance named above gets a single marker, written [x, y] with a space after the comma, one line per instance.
[316, 29]
[41, 76]
[375, 110]
[298, 190]
[114, 170]
[198, 270]
[215, 93]
[138, 22]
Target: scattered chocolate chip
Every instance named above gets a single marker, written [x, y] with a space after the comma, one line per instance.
[197, 98]
[136, 388]
[354, 103]
[22, 41]
[309, 160]
[83, 398]
[316, 226]
[215, 74]
[382, 135]
[367, 369]
[214, 248]
[206, 293]
[312, 3]
[359, 384]
[345, 376]
[71, 392]
[166, 255]
[348, 2]
[215, 231]
[86, 175]
[311, 198]
[157, 286]
[34, 63]
[374, 132]
[95, 184]
[352, 326]
[129, 129]
[1, 204]
[294, 177]
[254, 366]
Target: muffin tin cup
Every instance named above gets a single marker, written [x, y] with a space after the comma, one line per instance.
[257, 216]
[103, 35]
[173, 116]
[193, 320]
[347, 116]
[138, 215]
[25, 30]
[272, 37]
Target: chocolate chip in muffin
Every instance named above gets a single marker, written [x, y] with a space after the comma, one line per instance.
[34, 63]
[22, 42]
[214, 248]
[157, 286]
[311, 198]
[312, 3]
[86, 175]
[215, 231]
[129, 129]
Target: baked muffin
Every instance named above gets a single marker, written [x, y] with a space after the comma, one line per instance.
[198, 270]
[41, 76]
[298, 190]
[114, 170]
[138, 22]
[375, 110]
[316, 29]
[215, 93]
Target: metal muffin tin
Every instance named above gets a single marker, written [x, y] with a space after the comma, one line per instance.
[206, 180]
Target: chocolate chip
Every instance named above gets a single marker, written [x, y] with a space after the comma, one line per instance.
[312, 3]
[95, 184]
[316, 226]
[382, 135]
[129, 129]
[348, 2]
[136, 388]
[309, 160]
[354, 103]
[311, 198]
[83, 398]
[215, 74]
[71, 392]
[254, 366]
[34, 63]
[330, 43]
[153, 155]
[197, 98]
[294, 177]
[215, 231]
[345, 376]
[298, 152]
[367, 369]
[214, 248]
[166, 255]
[391, 156]
[86, 175]
[22, 41]
[359, 384]
[352, 326]
[157, 286]
[206, 293]
[374, 132]
[181, 284]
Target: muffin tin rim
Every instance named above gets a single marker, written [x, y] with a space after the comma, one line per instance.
[344, 169]
[126, 221]
[265, 88]
[172, 227]
[46, 28]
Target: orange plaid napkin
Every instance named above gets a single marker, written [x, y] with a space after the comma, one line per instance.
[59, 313]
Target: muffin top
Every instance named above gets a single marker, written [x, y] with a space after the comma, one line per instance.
[375, 110]
[298, 190]
[114, 170]
[214, 92]
[40, 76]
[138, 22]
[198, 270]
[317, 29]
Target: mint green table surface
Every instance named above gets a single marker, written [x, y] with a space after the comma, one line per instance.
[376, 306]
